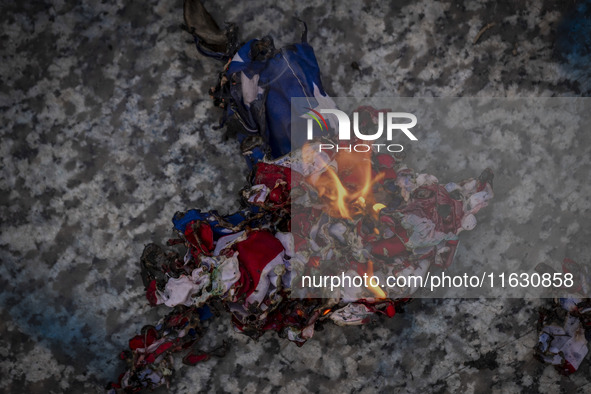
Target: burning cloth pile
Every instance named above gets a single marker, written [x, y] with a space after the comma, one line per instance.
[399, 223]
[304, 212]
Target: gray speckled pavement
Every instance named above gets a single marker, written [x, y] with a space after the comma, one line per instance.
[107, 130]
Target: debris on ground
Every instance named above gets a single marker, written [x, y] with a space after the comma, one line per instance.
[300, 211]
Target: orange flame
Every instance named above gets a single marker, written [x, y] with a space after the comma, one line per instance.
[346, 191]
[379, 293]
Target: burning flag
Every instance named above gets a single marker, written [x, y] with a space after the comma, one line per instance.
[364, 214]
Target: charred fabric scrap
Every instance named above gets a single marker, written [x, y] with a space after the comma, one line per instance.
[565, 328]
[249, 261]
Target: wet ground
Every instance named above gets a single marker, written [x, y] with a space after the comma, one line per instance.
[107, 131]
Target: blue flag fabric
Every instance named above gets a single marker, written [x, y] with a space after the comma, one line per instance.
[261, 81]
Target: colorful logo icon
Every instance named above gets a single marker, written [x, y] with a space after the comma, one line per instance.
[315, 117]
